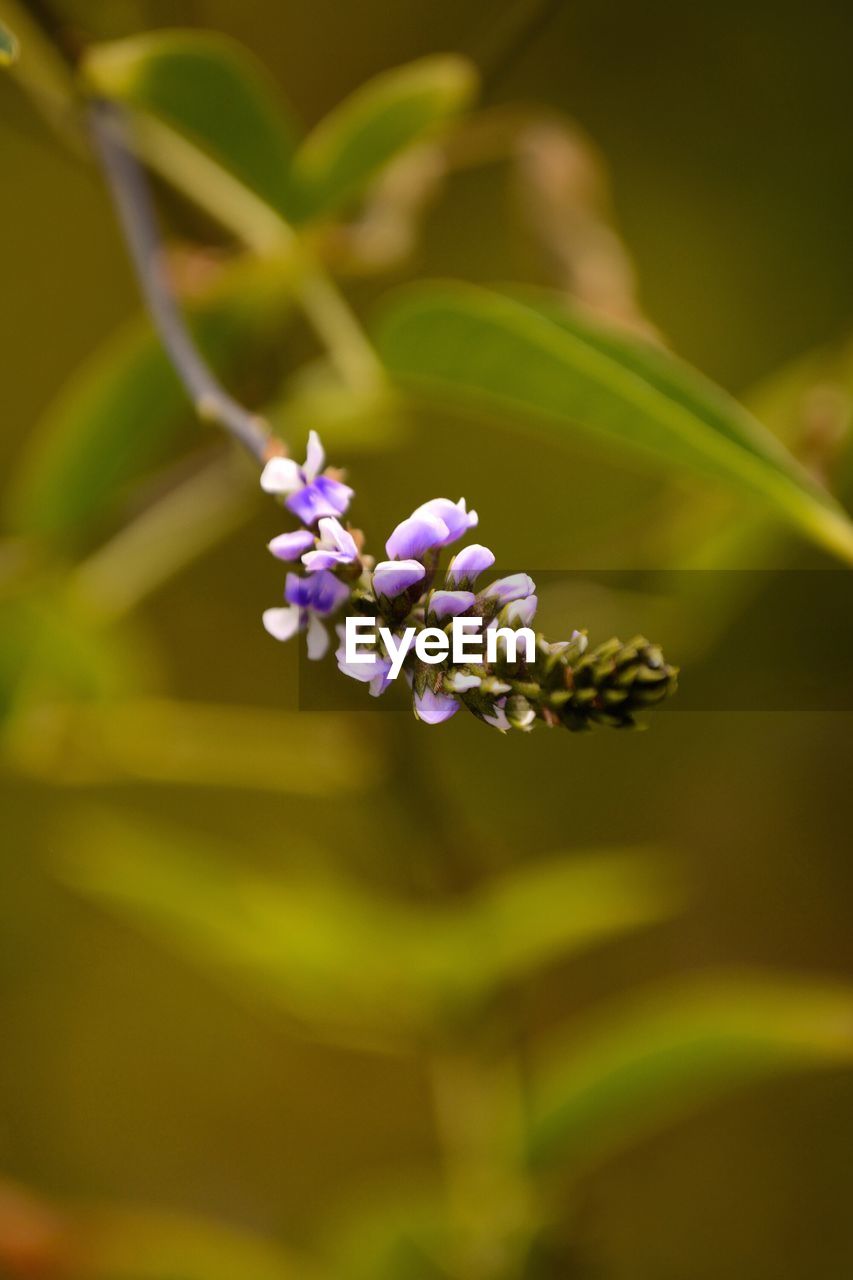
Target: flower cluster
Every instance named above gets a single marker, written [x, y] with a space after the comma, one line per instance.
[563, 684]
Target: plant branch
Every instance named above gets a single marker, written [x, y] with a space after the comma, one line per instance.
[132, 197]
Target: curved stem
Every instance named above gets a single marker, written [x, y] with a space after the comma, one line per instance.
[131, 194]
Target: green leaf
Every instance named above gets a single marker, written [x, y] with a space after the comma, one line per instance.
[349, 964]
[123, 410]
[49, 653]
[557, 371]
[8, 46]
[643, 1064]
[210, 91]
[562, 906]
[384, 116]
[162, 740]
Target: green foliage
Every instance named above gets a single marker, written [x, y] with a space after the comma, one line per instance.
[176, 83]
[137, 1244]
[123, 410]
[162, 740]
[348, 963]
[634, 1068]
[8, 46]
[559, 371]
[366, 131]
[213, 92]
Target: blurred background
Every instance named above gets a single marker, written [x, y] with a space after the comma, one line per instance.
[176, 1081]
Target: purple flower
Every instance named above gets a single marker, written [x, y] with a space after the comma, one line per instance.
[392, 577]
[457, 519]
[321, 592]
[311, 495]
[415, 536]
[434, 708]
[336, 546]
[504, 590]
[290, 546]
[282, 624]
[373, 670]
[449, 604]
[520, 613]
[468, 564]
[308, 600]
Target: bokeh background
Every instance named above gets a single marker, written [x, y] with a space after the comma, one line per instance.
[128, 1076]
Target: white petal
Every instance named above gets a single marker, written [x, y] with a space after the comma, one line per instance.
[281, 475]
[334, 537]
[318, 638]
[282, 623]
[461, 683]
[315, 457]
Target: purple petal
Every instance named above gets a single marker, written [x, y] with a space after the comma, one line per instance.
[392, 577]
[290, 546]
[434, 708]
[379, 684]
[298, 591]
[449, 604]
[335, 537]
[314, 561]
[336, 494]
[468, 564]
[328, 593]
[520, 613]
[504, 590]
[322, 497]
[322, 592]
[376, 669]
[336, 546]
[453, 514]
[412, 537]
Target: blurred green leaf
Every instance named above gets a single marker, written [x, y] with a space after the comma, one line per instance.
[546, 911]
[195, 744]
[121, 412]
[559, 371]
[139, 1244]
[48, 652]
[637, 1067]
[8, 46]
[213, 92]
[338, 958]
[370, 128]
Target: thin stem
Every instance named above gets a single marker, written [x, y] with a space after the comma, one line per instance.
[135, 208]
[265, 232]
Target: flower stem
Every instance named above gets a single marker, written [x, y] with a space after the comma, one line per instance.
[132, 197]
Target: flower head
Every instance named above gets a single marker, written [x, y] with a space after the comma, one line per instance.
[290, 546]
[549, 683]
[335, 546]
[467, 565]
[435, 708]
[392, 577]
[310, 495]
[457, 519]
